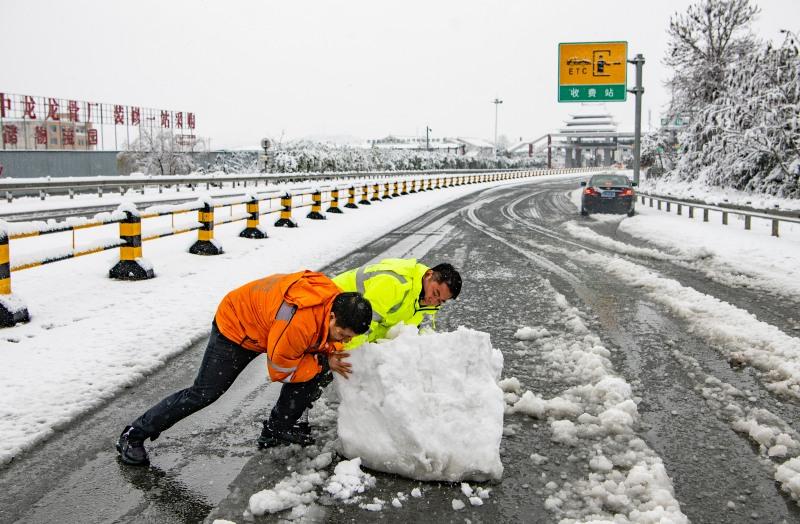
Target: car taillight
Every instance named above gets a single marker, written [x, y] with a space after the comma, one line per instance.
[590, 191]
[626, 192]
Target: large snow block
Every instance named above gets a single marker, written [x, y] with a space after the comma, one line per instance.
[425, 406]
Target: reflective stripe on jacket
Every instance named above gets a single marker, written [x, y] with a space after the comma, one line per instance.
[393, 287]
[284, 316]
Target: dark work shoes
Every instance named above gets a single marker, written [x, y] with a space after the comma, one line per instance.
[131, 447]
[273, 435]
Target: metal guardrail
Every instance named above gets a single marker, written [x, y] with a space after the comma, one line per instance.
[725, 212]
[132, 265]
[73, 185]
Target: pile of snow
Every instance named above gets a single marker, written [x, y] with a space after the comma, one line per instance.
[425, 406]
[299, 490]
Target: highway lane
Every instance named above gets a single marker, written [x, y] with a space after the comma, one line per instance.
[515, 251]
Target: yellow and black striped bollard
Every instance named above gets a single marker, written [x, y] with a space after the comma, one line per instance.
[386, 191]
[413, 187]
[405, 188]
[394, 189]
[253, 229]
[316, 206]
[364, 194]
[376, 192]
[205, 244]
[12, 309]
[334, 208]
[285, 219]
[131, 265]
[351, 198]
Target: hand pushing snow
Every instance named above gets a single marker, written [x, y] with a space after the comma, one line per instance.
[425, 406]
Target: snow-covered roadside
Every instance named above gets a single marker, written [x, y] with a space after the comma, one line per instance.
[90, 336]
[727, 254]
[696, 190]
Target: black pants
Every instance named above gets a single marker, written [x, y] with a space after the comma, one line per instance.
[222, 363]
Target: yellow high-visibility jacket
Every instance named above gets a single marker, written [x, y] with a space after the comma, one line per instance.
[393, 287]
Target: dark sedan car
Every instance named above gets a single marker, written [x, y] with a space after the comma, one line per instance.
[608, 194]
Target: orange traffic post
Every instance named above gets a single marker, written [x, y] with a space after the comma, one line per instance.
[364, 194]
[131, 265]
[12, 309]
[285, 219]
[205, 244]
[253, 229]
[334, 208]
[351, 198]
[316, 206]
[376, 192]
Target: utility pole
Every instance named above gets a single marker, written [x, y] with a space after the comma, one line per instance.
[428, 138]
[496, 103]
[637, 127]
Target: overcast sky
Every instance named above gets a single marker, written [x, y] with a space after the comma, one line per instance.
[366, 69]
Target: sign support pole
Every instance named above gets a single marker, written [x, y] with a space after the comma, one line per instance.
[637, 132]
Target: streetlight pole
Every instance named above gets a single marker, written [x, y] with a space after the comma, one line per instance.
[428, 138]
[496, 103]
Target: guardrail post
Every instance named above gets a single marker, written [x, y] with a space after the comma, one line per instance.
[386, 189]
[285, 219]
[394, 192]
[42, 194]
[364, 195]
[12, 309]
[775, 231]
[351, 198]
[253, 229]
[205, 244]
[131, 265]
[334, 208]
[668, 207]
[705, 215]
[651, 201]
[747, 222]
[724, 218]
[658, 202]
[405, 188]
[642, 196]
[9, 196]
[316, 206]
[680, 209]
[376, 191]
[691, 211]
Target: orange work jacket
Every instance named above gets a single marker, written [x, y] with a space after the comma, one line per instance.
[285, 316]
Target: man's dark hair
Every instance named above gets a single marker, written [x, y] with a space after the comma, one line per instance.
[352, 311]
[449, 275]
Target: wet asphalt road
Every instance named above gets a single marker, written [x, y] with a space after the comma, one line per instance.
[513, 250]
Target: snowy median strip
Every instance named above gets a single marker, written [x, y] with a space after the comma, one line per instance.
[737, 334]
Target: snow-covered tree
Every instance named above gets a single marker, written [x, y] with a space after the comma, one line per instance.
[705, 43]
[155, 153]
[749, 138]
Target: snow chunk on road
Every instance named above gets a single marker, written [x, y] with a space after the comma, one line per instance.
[290, 492]
[349, 481]
[531, 333]
[429, 403]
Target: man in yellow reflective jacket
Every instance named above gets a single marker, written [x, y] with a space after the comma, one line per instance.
[399, 290]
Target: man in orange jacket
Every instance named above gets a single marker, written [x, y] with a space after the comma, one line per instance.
[299, 320]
